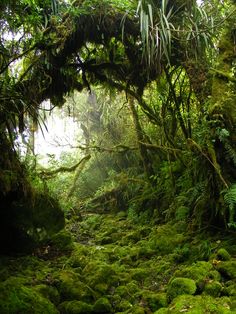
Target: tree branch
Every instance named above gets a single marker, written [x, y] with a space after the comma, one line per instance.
[49, 173]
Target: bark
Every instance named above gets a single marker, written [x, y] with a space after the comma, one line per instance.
[146, 161]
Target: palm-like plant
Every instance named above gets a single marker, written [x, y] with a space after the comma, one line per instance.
[162, 27]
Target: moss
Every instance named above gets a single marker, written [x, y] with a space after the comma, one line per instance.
[122, 291]
[227, 269]
[71, 287]
[102, 305]
[179, 286]
[213, 288]
[223, 255]
[162, 311]
[214, 275]
[198, 271]
[138, 310]
[132, 287]
[16, 297]
[124, 305]
[154, 300]
[165, 239]
[139, 274]
[198, 304]
[97, 272]
[62, 241]
[101, 287]
[79, 256]
[230, 288]
[48, 292]
[75, 307]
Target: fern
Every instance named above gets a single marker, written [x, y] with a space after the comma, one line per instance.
[230, 201]
[230, 153]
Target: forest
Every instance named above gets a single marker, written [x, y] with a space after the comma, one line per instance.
[136, 212]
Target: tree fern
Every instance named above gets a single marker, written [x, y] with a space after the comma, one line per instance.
[230, 201]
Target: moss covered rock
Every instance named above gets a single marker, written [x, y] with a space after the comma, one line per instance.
[178, 286]
[102, 305]
[62, 241]
[223, 255]
[153, 300]
[230, 288]
[199, 272]
[227, 269]
[48, 292]
[75, 307]
[197, 305]
[71, 287]
[213, 288]
[16, 297]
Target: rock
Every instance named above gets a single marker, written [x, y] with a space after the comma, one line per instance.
[75, 307]
[179, 286]
[154, 300]
[200, 272]
[213, 288]
[227, 269]
[62, 241]
[16, 297]
[48, 292]
[103, 306]
[223, 255]
[198, 304]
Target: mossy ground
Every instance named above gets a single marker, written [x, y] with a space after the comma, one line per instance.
[116, 266]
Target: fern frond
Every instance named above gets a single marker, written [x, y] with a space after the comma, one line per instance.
[230, 153]
[230, 201]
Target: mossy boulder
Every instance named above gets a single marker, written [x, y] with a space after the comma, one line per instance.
[71, 287]
[97, 272]
[223, 255]
[48, 292]
[227, 269]
[140, 274]
[75, 307]
[213, 288]
[16, 297]
[137, 310]
[199, 272]
[153, 300]
[79, 256]
[62, 241]
[197, 305]
[178, 286]
[230, 288]
[164, 239]
[102, 305]
[124, 306]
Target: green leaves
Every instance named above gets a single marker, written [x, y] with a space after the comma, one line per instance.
[230, 200]
[193, 29]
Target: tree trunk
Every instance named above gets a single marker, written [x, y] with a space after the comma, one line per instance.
[146, 161]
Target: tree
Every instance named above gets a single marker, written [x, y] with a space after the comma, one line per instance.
[132, 48]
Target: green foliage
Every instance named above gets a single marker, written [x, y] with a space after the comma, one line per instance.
[230, 200]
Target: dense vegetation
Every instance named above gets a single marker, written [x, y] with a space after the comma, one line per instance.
[151, 187]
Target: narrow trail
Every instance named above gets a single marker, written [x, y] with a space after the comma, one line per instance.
[116, 265]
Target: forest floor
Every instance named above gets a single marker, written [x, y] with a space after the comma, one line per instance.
[108, 263]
